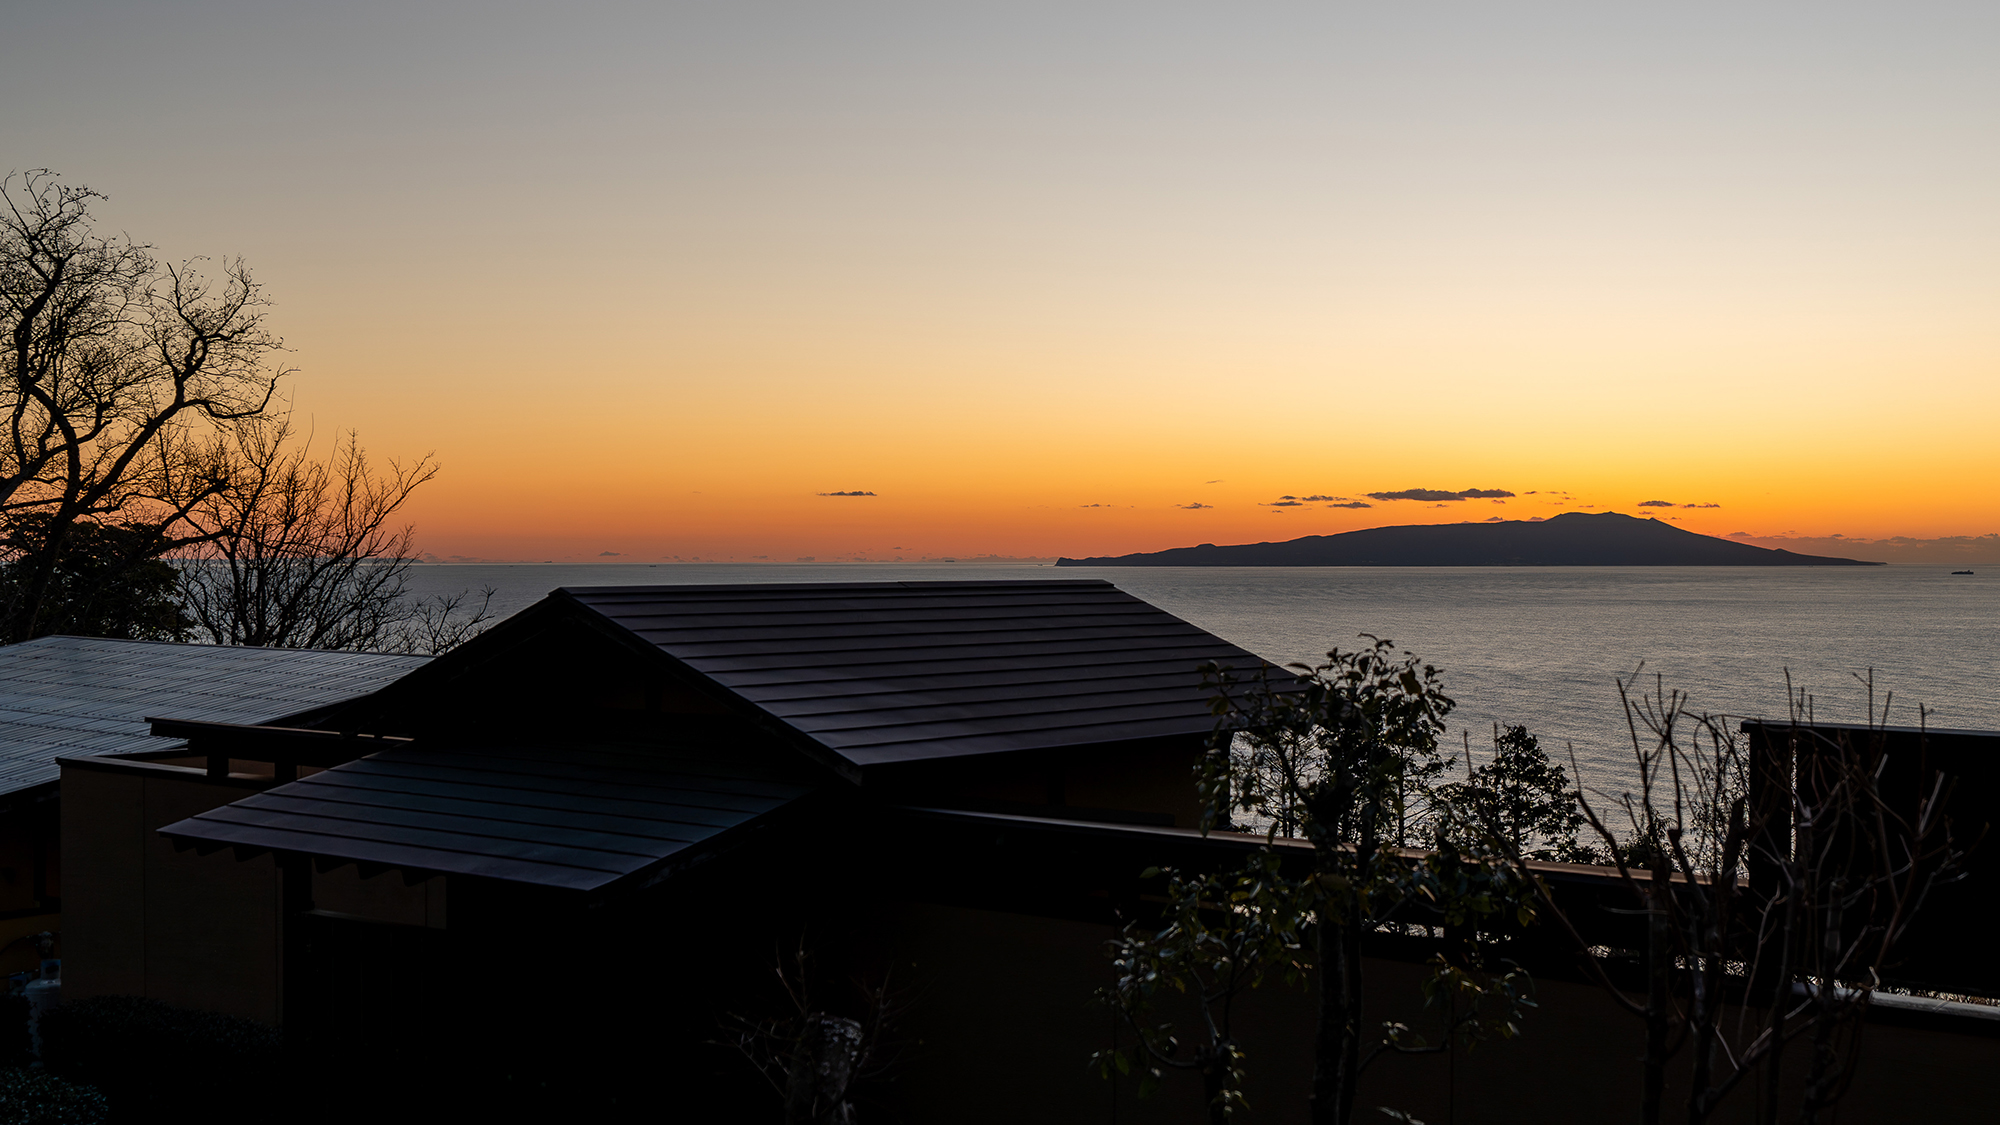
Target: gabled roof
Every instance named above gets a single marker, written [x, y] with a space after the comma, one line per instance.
[572, 816]
[884, 672]
[92, 695]
[867, 673]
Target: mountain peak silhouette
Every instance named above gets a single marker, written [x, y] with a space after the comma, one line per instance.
[1570, 539]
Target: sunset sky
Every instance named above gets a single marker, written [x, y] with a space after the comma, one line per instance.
[655, 278]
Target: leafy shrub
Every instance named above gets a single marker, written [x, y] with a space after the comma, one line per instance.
[159, 1063]
[36, 1097]
[1525, 797]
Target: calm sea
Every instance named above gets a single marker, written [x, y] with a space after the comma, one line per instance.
[1539, 646]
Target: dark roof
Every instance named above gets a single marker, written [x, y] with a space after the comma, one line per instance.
[572, 816]
[91, 695]
[897, 671]
[874, 672]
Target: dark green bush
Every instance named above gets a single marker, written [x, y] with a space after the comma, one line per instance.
[36, 1097]
[159, 1063]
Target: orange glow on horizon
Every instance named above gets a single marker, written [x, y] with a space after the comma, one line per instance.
[649, 282]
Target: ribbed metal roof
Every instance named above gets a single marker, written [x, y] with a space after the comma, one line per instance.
[570, 816]
[92, 695]
[897, 671]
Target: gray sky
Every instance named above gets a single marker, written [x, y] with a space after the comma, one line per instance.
[877, 221]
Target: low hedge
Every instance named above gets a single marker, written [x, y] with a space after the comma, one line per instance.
[159, 1063]
[36, 1097]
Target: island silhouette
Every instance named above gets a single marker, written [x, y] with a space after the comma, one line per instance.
[1570, 539]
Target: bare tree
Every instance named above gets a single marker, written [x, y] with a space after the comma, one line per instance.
[300, 552]
[1768, 923]
[119, 369]
[442, 622]
[140, 423]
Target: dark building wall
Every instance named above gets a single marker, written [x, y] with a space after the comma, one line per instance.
[199, 931]
[547, 996]
[30, 875]
[998, 1022]
[1003, 1026]
[1155, 779]
[1908, 763]
[383, 897]
[145, 920]
[1150, 777]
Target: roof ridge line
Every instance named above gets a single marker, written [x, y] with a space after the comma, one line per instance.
[883, 586]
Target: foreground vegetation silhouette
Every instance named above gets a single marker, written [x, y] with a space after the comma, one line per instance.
[1774, 905]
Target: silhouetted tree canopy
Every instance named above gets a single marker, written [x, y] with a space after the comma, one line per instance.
[124, 377]
[1524, 797]
[149, 483]
[105, 581]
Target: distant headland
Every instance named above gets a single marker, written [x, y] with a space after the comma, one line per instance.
[1570, 539]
